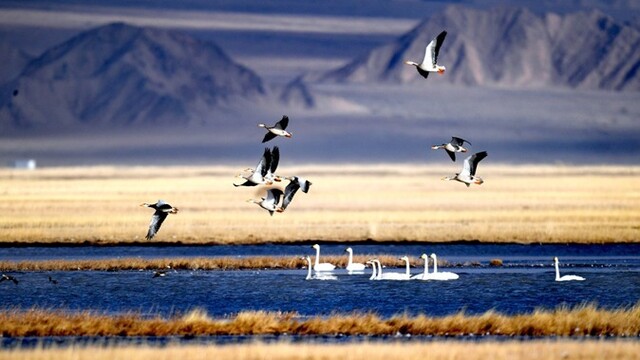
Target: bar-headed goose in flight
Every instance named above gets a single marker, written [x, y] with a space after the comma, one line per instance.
[277, 130]
[454, 146]
[261, 170]
[430, 61]
[468, 174]
[295, 183]
[271, 157]
[162, 209]
[270, 203]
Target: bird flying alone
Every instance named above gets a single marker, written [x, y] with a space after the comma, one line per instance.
[430, 61]
[277, 130]
[454, 146]
[5, 277]
[468, 173]
[162, 209]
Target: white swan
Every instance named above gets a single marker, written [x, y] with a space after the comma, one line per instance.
[566, 277]
[317, 276]
[351, 266]
[425, 275]
[393, 275]
[374, 272]
[445, 275]
[318, 266]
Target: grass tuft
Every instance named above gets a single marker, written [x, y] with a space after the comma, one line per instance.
[585, 320]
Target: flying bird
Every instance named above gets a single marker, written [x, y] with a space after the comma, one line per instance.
[270, 203]
[53, 281]
[454, 146]
[8, 278]
[159, 273]
[430, 61]
[468, 174]
[295, 183]
[162, 210]
[277, 130]
[261, 170]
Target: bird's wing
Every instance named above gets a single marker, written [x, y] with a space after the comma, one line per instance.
[436, 49]
[246, 183]
[474, 160]
[458, 141]
[273, 195]
[156, 220]
[425, 74]
[275, 159]
[304, 185]
[265, 162]
[451, 154]
[289, 192]
[283, 123]
[268, 136]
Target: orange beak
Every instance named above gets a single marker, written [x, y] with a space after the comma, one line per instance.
[440, 72]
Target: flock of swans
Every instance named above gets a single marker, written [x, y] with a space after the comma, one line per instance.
[323, 271]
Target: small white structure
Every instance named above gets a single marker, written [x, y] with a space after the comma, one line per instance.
[25, 164]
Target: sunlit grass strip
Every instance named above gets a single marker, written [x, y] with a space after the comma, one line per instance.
[198, 263]
[586, 320]
[522, 204]
[539, 349]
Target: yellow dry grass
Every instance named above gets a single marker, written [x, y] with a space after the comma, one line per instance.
[586, 320]
[446, 350]
[526, 204]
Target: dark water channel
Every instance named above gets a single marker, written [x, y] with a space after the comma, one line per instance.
[525, 283]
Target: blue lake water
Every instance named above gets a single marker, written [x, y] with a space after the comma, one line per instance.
[612, 275]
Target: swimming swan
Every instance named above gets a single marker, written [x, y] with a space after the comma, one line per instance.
[393, 275]
[566, 277]
[321, 266]
[374, 272]
[425, 275]
[445, 275]
[317, 276]
[351, 266]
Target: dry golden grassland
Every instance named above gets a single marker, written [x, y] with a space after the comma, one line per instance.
[346, 203]
[586, 320]
[446, 350]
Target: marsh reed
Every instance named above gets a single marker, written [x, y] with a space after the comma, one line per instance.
[585, 320]
[197, 263]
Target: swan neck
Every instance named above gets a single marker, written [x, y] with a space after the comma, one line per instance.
[309, 269]
[426, 266]
[317, 256]
[350, 258]
[408, 270]
[435, 264]
[557, 271]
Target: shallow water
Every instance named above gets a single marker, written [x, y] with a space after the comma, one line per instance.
[524, 284]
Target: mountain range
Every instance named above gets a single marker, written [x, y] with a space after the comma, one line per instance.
[118, 74]
[511, 47]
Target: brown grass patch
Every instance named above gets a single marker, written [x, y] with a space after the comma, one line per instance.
[197, 263]
[586, 320]
[449, 350]
[526, 204]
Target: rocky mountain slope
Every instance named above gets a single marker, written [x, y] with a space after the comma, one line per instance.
[119, 75]
[511, 47]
